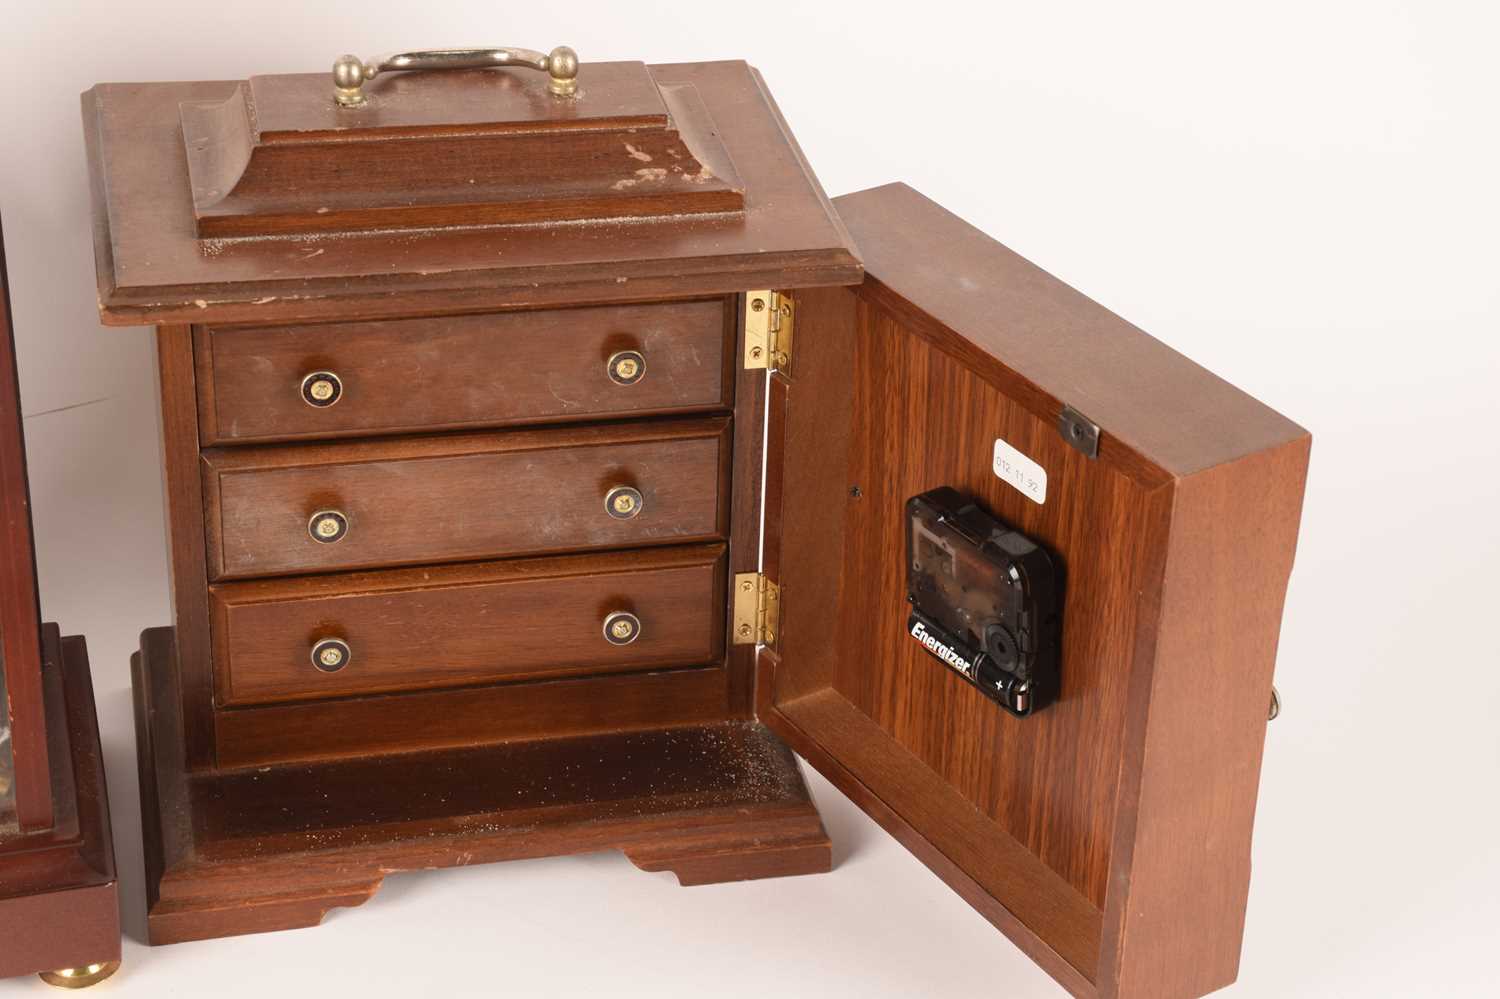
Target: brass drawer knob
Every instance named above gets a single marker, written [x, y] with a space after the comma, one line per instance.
[327, 526]
[331, 655]
[621, 628]
[321, 389]
[623, 502]
[626, 367]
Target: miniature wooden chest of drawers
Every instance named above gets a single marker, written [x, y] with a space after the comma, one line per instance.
[536, 454]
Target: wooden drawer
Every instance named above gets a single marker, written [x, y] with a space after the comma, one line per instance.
[471, 496]
[461, 371]
[410, 629]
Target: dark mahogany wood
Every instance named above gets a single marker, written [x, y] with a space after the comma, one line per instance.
[244, 851]
[1108, 834]
[152, 267]
[461, 372]
[59, 898]
[20, 613]
[429, 499]
[516, 620]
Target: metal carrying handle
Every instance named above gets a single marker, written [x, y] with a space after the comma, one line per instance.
[350, 72]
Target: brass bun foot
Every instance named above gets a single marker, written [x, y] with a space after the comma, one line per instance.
[81, 978]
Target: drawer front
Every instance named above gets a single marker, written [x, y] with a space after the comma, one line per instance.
[319, 508]
[409, 629]
[463, 371]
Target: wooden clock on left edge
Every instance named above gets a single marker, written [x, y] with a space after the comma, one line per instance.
[59, 901]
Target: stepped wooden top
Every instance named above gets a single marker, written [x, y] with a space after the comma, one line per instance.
[482, 147]
[265, 201]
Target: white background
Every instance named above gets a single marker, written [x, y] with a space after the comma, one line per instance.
[1301, 196]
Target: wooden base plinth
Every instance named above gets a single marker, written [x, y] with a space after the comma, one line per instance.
[247, 851]
[59, 901]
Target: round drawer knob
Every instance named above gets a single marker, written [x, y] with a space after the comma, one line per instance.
[627, 367]
[622, 628]
[623, 502]
[331, 655]
[321, 389]
[328, 526]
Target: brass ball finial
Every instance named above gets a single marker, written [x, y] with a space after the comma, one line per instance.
[349, 80]
[562, 67]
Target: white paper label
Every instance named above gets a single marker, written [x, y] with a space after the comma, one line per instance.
[1021, 472]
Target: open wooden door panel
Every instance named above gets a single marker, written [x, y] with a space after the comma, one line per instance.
[1108, 834]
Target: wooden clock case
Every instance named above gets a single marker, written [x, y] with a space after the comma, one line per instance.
[59, 902]
[858, 352]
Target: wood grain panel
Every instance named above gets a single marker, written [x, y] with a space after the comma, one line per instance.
[1048, 780]
[921, 419]
[434, 499]
[1047, 344]
[421, 628]
[1037, 897]
[460, 371]
[1134, 792]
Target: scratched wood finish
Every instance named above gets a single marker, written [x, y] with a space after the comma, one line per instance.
[435, 499]
[460, 372]
[277, 847]
[59, 900]
[514, 620]
[1176, 543]
[151, 267]
[20, 614]
[272, 158]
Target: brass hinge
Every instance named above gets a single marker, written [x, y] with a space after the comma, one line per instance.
[757, 609]
[768, 330]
